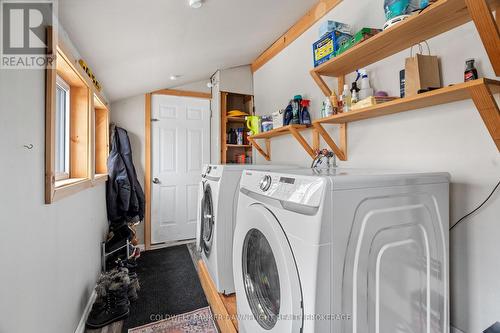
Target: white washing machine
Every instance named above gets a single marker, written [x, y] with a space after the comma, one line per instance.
[218, 199]
[343, 250]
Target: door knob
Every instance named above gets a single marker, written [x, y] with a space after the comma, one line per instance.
[156, 181]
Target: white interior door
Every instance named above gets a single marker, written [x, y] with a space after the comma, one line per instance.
[180, 145]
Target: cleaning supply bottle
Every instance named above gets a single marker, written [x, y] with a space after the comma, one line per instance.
[366, 90]
[305, 116]
[335, 103]
[328, 107]
[345, 99]
[296, 109]
[288, 115]
[354, 93]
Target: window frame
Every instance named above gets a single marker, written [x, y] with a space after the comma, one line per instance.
[81, 127]
[67, 89]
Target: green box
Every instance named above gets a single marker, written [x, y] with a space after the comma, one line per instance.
[358, 37]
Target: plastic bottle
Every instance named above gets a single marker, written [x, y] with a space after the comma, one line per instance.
[328, 107]
[335, 102]
[288, 115]
[345, 99]
[296, 109]
[470, 71]
[305, 117]
[366, 90]
[354, 93]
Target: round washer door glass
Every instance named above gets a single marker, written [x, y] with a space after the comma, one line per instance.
[261, 279]
[207, 219]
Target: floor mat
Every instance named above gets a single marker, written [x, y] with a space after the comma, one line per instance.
[169, 287]
[198, 321]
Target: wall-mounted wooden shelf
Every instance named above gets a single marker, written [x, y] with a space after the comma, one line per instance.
[438, 18]
[293, 130]
[449, 94]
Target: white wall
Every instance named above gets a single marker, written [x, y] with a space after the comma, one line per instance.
[129, 114]
[50, 253]
[199, 86]
[449, 138]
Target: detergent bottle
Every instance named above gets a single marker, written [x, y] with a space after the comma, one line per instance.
[366, 90]
[305, 116]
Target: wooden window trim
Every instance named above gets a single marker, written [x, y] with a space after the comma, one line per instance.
[82, 128]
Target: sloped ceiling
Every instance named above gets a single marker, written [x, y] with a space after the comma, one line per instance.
[134, 46]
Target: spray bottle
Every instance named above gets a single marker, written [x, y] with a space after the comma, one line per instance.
[366, 90]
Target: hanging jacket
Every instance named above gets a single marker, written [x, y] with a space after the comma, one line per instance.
[124, 195]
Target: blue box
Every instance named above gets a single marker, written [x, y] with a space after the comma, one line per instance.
[324, 49]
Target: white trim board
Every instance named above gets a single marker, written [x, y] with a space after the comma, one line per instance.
[81, 325]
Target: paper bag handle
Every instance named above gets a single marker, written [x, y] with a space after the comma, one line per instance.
[420, 48]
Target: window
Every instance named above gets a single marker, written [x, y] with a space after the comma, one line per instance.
[75, 141]
[62, 129]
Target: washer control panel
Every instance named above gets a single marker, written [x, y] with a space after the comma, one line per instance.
[305, 190]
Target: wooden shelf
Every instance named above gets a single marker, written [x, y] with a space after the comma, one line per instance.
[236, 119]
[285, 130]
[440, 17]
[449, 94]
[238, 146]
[278, 131]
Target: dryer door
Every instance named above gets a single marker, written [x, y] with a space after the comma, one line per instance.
[267, 282]
[207, 220]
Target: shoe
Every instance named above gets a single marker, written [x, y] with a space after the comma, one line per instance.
[112, 304]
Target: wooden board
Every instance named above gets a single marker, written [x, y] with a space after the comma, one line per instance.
[278, 131]
[147, 172]
[312, 16]
[442, 16]
[223, 307]
[453, 93]
[183, 93]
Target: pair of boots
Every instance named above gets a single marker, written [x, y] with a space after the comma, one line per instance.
[114, 291]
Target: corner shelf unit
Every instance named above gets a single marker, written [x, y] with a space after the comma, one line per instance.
[233, 101]
[438, 18]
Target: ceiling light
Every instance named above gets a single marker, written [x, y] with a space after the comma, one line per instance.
[195, 3]
[174, 77]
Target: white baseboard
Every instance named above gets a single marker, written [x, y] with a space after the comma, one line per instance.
[81, 325]
[455, 330]
[171, 244]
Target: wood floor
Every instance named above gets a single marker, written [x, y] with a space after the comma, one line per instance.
[223, 307]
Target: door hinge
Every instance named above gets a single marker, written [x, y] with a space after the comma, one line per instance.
[154, 119]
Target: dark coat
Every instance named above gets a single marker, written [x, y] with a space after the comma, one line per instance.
[124, 195]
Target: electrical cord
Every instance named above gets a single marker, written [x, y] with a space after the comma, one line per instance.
[477, 208]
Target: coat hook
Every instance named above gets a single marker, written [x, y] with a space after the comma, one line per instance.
[30, 146]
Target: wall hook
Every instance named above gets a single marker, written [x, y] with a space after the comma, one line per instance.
[30, 146]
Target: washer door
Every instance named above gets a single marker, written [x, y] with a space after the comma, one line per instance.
[207, 220]
[267, 282]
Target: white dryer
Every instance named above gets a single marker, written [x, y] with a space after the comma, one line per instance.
[344, 250]
[218, 199]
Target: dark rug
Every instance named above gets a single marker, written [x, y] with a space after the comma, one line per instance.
[169, 286]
